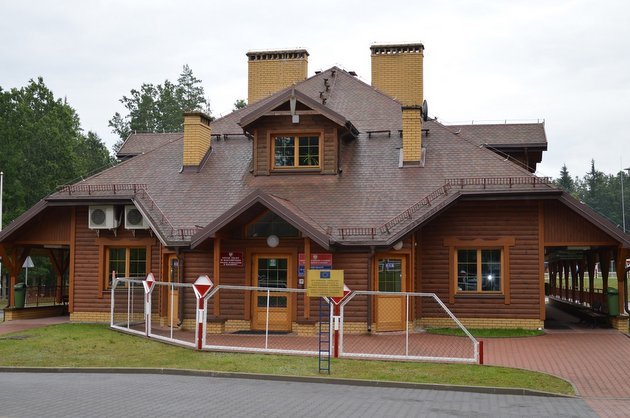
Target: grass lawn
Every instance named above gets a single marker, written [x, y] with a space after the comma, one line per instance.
[598, 282]
[487, 333]
[88, 345]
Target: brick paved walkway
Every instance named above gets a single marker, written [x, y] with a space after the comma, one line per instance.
[596, 361]
[24, 324]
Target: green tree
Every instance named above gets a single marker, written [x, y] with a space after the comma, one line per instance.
[240, 104]
[92, 154]
[190, 94]
[565, 182]
[159, 108]
[42, 146]
[600, 191]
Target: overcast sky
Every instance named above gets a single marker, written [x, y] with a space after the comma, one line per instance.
[567, 62]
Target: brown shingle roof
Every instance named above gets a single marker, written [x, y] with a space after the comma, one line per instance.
[372, 200]
[505, 135]
[139, 143]
[371, 190]
[364, 106]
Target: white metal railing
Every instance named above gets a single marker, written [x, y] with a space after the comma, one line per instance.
[127, 314]
[134, 305]
[390, 351]
[288, 344]
[169, 332]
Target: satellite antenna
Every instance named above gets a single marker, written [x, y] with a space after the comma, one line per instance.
[425, 111]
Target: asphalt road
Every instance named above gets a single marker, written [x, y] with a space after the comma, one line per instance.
[140, 395]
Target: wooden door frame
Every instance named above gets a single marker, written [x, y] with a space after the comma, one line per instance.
[393, 254]
[166, 268]
[291, 255]
[406, 284]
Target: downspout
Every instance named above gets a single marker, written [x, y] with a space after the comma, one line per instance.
[369, 288]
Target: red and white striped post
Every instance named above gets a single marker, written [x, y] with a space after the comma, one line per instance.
[202, 286]
[337, 318]
[148, 284]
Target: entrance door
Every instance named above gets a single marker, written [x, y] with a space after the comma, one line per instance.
[390, 276]
[275, 272]
[172, 302]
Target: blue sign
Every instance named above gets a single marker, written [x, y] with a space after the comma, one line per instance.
[324, 274]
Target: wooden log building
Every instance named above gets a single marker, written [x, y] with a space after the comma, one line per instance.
[331, 167]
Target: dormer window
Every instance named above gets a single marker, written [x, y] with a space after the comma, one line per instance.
[296, 151]
[304, 139]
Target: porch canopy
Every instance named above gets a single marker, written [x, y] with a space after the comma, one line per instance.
[47, 233]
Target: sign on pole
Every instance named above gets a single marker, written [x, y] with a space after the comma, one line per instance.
[324, 283]
[202, 287]
[28, 263]
[337, 300]
[148, 285]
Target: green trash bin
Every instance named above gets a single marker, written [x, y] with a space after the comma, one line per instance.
[613, 301]
[20, 294]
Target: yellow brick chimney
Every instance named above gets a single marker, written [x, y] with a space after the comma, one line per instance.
[197, 135]
[397, 72]
[272, 71]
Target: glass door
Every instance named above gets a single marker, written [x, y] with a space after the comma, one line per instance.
[390, 277]
[172, 302]
[273, 272]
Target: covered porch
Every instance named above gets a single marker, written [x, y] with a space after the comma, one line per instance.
[589, 282]
[47, 241]
[46, 293]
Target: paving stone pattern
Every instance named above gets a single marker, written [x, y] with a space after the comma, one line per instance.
[596, 361]
[137, 395]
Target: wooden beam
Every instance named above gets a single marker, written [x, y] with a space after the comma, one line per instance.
[590, 266]
[604, 264]
[573, 265]
[288, 112]
[566, 279]
[622, 254]
[13, 260]
[560, 268]
[581, 265]
[7, 257]
[73, 243]
[541, 260]
[57, 266]
[55, 262]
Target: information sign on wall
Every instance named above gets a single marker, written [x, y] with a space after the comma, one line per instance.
[231, 259]
[319, 261]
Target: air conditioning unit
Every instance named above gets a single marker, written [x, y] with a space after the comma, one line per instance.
[134, 219]
[103, 217]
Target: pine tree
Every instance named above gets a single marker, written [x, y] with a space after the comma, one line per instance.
[159, 108]
[565, 182]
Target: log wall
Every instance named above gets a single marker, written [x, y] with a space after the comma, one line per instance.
[485, 219]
